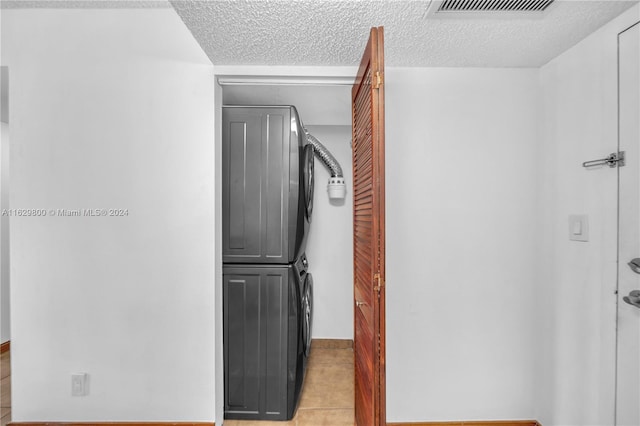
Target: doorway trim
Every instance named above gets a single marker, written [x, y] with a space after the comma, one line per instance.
[317, 76]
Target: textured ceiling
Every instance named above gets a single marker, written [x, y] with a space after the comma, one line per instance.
[334, 32]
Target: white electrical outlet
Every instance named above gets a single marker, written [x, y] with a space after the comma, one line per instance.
[79, 384]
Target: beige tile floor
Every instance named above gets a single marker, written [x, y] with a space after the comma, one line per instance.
[5, 389]
[327, 394]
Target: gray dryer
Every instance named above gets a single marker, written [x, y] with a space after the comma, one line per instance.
[267, 178]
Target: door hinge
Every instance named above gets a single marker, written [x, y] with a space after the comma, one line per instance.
[378, 282]
[378, 80]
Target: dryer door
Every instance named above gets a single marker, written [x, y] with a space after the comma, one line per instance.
[307, 313]
[308, 167]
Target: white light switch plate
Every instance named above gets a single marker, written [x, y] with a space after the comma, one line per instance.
[79, 384]
[579, 227]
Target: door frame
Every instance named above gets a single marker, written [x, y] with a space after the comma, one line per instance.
[312, 76]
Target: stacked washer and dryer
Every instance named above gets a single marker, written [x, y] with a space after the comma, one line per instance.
[267, 177]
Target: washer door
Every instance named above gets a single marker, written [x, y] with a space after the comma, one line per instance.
[307, 313]
[308, 167]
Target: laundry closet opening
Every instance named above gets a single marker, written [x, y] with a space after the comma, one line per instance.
[324, 108]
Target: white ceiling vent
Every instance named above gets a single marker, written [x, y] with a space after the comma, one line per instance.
[487, 8]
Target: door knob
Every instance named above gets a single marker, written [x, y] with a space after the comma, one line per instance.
[359, 303]
[635, 265]
[633, 298]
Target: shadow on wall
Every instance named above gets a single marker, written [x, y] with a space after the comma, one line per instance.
[329, 247]
[5, 308]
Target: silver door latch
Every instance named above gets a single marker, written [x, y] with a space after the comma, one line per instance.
[614, 159]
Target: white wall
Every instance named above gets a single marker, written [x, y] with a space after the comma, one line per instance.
[575, 300]
[5, 306]
[111, 109]
[5, 318]
[329, 247]
[461, 244]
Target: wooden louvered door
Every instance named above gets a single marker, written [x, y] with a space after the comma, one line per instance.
[369, 234]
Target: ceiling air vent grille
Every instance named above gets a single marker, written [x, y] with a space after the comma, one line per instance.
[494, 5]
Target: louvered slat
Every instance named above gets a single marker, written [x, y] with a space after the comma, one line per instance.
[363, 268]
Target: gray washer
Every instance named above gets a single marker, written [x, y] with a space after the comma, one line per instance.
[267, 314]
